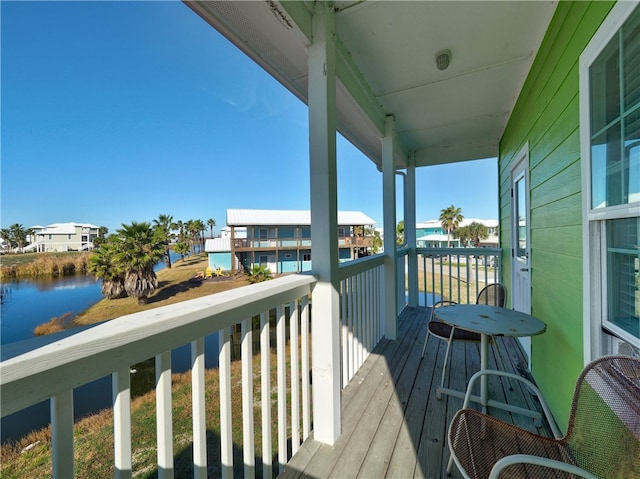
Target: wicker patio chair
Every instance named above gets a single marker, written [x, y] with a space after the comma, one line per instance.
[494, 294]
[602, 439]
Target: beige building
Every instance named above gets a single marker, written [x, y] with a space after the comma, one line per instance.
[64, 237]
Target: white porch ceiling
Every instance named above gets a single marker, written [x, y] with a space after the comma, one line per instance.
[386, 66]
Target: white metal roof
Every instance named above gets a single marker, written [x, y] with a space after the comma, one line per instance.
[242, 217]
[64, 228]
[434, 237]
[217, 245]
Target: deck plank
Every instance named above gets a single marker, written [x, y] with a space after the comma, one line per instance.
[393, 425]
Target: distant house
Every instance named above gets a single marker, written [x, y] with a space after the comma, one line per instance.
[281, 239]
[64, 237]
[219, 253]
[431, 234]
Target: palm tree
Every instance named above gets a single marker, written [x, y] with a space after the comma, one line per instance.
[182, 249]
[190, 235]
[211, 222]
[179, 225]
[450, 218]
[5, 234]
[400, 233]
[18, 235]
[103, 265]
[194, 229]
[201, 229]
[477, 233]
[103, 231]
[137, 252]
[162, 229]
[259, 273]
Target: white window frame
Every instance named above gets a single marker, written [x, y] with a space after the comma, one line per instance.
[593, 232]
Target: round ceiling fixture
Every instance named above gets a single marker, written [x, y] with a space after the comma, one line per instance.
[443, 59]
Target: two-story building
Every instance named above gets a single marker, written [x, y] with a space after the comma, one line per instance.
[65, 237]
[431, 234]
[281, 239]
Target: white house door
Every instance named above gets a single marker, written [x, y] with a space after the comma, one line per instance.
[520, 241]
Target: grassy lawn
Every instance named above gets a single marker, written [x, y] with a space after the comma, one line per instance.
[175, 284]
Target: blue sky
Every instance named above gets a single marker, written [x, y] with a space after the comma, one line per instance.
[115, 112]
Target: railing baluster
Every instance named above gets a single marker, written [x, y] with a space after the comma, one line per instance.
[344, 300]
[351, 341]
[378, 299]
[248, 444]
[423, 258]
[368, 276]
[295, 378]
[121, 392]
[358, 331]
[62, 434]
[306, 397]
[282, 387]
[198, 410]
[265, 394]
[164, 422]
[365, 317]
[226, 437]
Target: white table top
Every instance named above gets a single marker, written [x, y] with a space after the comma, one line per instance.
[491, 320]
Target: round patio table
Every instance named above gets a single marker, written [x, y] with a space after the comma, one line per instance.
[488, 321]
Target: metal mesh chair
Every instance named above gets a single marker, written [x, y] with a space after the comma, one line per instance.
[602, 439]
[494, 294]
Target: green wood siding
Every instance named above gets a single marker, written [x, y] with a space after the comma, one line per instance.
[546, 115]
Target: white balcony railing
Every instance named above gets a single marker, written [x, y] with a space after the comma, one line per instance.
[54, 370]
[456, 274]
[361, 311]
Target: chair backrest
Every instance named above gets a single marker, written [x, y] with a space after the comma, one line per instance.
[494, 294]
[603, 434]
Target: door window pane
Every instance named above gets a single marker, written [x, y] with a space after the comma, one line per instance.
[521, 211]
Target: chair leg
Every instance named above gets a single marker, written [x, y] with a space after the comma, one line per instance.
[444, 366]
[450, 464]
[426, 338]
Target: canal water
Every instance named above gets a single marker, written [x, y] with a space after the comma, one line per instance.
[27, 304]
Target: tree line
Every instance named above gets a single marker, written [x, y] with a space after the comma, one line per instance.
[15, 236]
[125, 260]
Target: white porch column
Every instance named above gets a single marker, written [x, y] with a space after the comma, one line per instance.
[389, 222]
[410, 229]
[324, 234]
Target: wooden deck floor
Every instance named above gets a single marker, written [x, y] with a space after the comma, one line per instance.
[393, 425]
